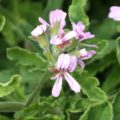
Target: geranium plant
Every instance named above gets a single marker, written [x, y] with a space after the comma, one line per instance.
[65, 66]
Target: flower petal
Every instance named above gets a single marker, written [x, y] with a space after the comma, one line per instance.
[66, 61]
[43, 21]
[54, 76]
[73, 63]
[74, 85]
[114, 13]
[57, 87]
[60, 61]
[81, 63]
[84, 54]
[87, 35]
[69, 35]
[80, 34]
[55, 40]
[38, 30]
[57, 16]
[79, 26]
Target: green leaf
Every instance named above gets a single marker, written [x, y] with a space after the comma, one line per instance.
[77, 12]
[104, 48]
[116, 107]
[85, 116]
[9, 87]
[101, 64]
[100, 112]
[9, 35]
[101, 30]
[26, 58]
[6, 74]
[90, 87]
[113, 79]
[2, 22]
[78, 104]
[118, 49]
[101, 50]
[48, 108]
[105, 56]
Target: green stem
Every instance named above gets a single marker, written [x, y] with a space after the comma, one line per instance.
[16, 9]
[11, 106]
[37, 88]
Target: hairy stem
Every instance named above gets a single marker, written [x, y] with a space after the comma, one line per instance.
[11, 106]
[37, 88]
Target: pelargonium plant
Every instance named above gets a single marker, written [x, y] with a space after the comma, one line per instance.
[67, 67]
[65, 60]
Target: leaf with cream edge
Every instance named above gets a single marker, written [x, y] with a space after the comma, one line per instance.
[85, 115]
[90, 87]
[100, 112]
[2, 22]
[9, 87]
[77, 12]
[26, 58]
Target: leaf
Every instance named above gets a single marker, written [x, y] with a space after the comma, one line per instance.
[2, 22]
[101, 50]
[100, 112]
[78, 104]
[26, 58]
[101, 30]
[9, 35]
[110, 46]
[77, 13]
[90, 87]
[48, 108]
[104, 47]
[101, 64]
[116, 107]
[6, 74]
[85, 116]
[113, 79]
[9, 87]
[118, 49]
[105, 56]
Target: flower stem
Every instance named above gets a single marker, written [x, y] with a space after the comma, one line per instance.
[37, 88]
[11, 106]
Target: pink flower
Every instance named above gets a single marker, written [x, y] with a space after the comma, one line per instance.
[65, 64]
[79, 30]
[40, 29]
[114, 13]
[84, 55]
[56, 16]
[62, 39]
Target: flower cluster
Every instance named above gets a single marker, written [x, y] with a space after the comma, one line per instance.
[114, 13]
[64, 48]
